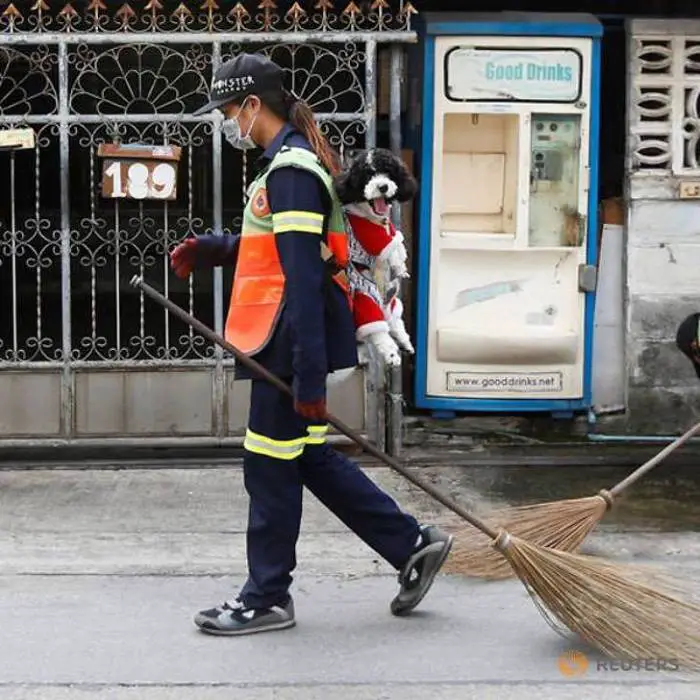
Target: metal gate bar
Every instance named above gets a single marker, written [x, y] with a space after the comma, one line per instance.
[394, 384]
[326, 37]
[217, 203]
[67, 373]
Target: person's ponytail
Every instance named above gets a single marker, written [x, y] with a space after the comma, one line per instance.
[302, 118]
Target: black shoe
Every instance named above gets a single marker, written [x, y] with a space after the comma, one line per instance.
[419, 572]
[233, 618]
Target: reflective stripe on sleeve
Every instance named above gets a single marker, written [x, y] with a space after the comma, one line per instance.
[306, 221]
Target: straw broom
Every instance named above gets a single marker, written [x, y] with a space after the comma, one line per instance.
[612, 607]
[560, 525]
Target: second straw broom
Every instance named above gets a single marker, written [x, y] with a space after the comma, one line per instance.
[614, 608]
[560, 525]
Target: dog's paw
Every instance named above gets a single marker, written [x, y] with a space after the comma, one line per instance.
[405, 343]
[399, 270]
[396, 262]
[394, 318]
[398, 332]
[386, 347]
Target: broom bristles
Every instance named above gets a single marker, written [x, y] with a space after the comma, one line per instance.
[627, 612]
[562, 525]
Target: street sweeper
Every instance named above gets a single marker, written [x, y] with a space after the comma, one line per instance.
[289, 310]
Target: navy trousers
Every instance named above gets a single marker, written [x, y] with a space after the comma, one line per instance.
[275, 487]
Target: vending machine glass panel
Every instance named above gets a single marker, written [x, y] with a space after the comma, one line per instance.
[555, 207]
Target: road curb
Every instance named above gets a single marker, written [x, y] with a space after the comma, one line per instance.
[472, 455]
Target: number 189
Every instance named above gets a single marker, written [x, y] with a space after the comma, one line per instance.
[141, 182]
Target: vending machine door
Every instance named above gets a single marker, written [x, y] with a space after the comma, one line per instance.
[504, 312]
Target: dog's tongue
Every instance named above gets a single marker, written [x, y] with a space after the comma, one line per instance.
[380, 206]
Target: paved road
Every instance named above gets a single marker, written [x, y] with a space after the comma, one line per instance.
[101, 571]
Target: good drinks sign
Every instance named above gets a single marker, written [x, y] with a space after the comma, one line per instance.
[504, 75]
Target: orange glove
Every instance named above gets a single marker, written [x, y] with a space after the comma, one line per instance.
[184, 257]
[312, 411]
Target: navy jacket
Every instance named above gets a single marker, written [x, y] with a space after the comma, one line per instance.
[315, 333]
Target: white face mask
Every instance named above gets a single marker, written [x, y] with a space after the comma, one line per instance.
[231, 129]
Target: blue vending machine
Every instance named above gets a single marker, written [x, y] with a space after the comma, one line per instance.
[507, 225]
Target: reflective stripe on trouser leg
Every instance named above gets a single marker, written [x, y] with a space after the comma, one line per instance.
[276, 440]
[277, 449]
[284, 449]
[317, 434]
[275, 429]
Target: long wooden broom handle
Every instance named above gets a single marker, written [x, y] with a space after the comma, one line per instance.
[206, 332]
[647, 466]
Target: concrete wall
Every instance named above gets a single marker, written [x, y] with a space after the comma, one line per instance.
[663, 286]
[663, 228]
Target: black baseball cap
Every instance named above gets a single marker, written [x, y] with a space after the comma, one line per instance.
[688, 340]
[246, 74]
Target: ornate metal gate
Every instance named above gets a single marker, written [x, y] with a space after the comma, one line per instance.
[83, 356]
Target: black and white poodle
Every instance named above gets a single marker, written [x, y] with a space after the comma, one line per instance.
[373, 180]
[366, 188]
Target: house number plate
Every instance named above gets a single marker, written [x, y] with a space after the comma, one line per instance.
[139, 171]
[139, 180]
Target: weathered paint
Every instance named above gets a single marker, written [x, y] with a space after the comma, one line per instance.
[663, 232]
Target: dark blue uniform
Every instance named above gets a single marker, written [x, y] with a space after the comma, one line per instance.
[315, 335]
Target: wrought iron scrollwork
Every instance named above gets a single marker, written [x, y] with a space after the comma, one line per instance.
[138, 79]
[30, 330]
[27, 80]
[68, 246]
[110, 242]
[211, 16]
[344, 136]
[327, 78]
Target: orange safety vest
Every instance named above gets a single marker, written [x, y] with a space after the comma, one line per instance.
[258, 285]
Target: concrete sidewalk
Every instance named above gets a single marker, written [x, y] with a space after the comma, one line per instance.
[101, 572]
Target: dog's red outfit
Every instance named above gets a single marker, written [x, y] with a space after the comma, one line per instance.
[377, 315]
[378, 239]
[374, 238]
